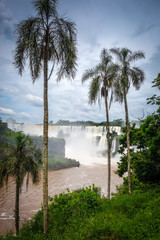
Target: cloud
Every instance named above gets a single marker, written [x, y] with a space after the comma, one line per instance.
[142, 29]
[25, 114]
[6, 21]
[34, 100]
[6, 111]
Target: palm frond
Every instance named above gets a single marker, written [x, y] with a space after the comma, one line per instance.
[32, 35]
[135, 56]
[137, 76]
[156, 82]
[125, 54]
[35, 57]
[118, 90]
[94, 90]
[46, 8]
[53, 52]
[67, 52]
[27, 46]
[102, 77]
[112, 73]
[117, 53]
[100, 69]
[89, 73]
[126, 73]
[7, 155]
[105, 57]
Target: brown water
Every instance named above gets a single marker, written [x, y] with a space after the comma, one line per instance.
[59, 181]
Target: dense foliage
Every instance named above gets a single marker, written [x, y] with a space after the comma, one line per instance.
[145, 151]
[84, 215]
[17, 160]
[6, 135]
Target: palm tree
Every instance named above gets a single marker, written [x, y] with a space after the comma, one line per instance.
[46, 38]
[19, 160]
[127, 75]
[102, 77]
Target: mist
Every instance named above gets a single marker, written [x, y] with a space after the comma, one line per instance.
[86, 144]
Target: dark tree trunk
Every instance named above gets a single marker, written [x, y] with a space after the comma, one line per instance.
[109, 145]
[128, 142]
[45, 144]
[17, 205]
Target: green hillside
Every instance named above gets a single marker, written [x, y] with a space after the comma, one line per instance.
[84, 215]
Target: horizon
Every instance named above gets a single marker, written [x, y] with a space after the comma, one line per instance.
[66, 122]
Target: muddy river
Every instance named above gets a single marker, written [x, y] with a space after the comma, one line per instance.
[59, 181]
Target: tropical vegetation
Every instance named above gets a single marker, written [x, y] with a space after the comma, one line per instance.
[127, 75]
[102, 77]
[19, 160]
[46, 39]
[145, 151]
[84, 215]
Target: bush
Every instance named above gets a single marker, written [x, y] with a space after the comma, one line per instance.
[84, 215]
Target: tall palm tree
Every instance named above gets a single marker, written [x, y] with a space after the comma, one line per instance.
[127, 75]
[19, 160]
[46, 38]
[102, 77]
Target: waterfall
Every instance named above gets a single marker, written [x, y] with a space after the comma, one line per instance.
[87, 144]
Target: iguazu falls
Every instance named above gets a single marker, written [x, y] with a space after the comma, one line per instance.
[87, 144]
[80, 120]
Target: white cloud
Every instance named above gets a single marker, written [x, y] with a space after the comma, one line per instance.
[25, 114]
[6, 111]
[69, 100]
[35, 100]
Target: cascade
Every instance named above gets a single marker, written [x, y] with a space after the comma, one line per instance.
[83, 143]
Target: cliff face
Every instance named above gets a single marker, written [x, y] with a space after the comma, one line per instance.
[56, 146]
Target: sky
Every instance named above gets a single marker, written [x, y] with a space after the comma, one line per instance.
[134, 24]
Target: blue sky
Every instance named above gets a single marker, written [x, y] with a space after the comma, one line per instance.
[134, 24]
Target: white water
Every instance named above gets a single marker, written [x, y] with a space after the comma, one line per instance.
[85, 144]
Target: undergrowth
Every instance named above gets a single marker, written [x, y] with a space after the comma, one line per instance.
[85, 215]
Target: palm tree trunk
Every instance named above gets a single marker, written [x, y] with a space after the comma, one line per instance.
[45, 145]
[128, 142]
[109, 145]
[17, 205]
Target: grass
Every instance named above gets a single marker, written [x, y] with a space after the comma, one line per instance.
[84, 215]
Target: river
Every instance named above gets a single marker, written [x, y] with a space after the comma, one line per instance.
[59, 181]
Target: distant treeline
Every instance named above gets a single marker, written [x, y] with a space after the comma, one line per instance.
[117, 122]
